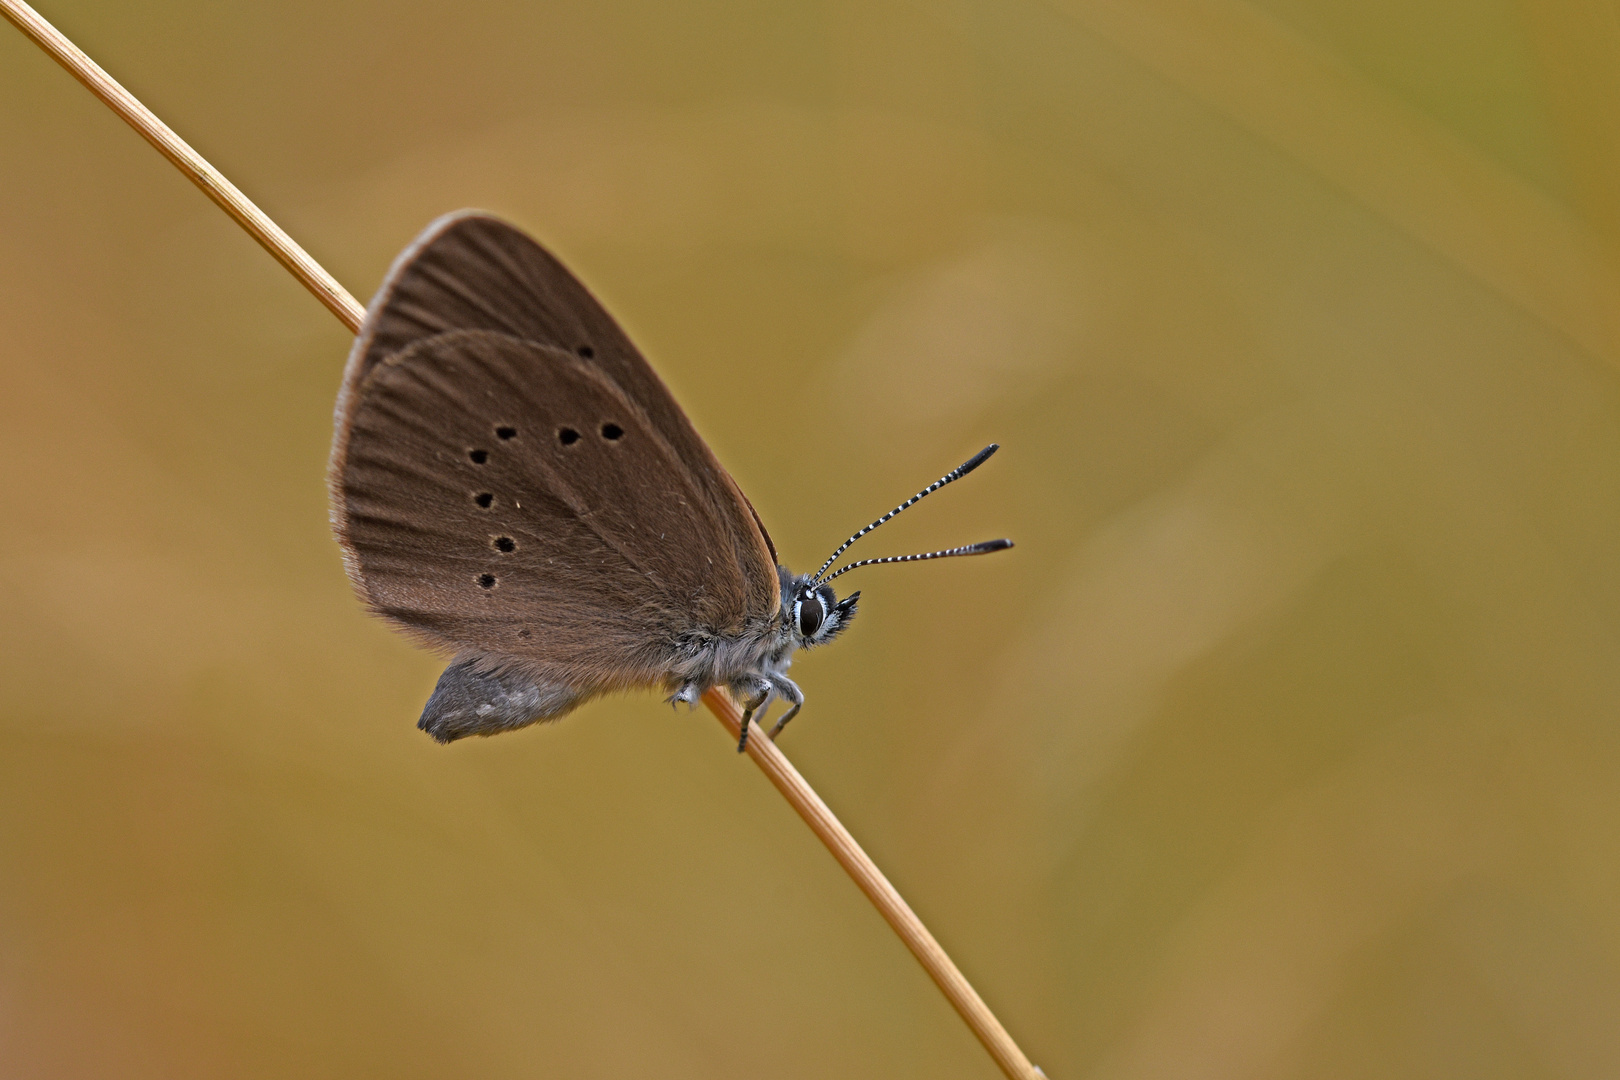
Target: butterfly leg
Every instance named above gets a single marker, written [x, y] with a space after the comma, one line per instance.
[687, 695]
[793, 694]
[757, 704]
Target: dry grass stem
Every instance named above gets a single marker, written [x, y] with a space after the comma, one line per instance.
[797, 791]
[761, 749]
[258, 225]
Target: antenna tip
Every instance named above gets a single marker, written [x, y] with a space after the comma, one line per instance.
[977, 459]
[987, 546]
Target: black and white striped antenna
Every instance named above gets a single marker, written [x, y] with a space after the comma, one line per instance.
[955, 474]
[984, 547]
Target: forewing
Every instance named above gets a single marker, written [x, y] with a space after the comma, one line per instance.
[505, 496]
[472, 271]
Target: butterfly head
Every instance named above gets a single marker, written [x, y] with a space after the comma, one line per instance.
[813, 613]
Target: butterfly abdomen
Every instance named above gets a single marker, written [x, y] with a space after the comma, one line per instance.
[481, 695]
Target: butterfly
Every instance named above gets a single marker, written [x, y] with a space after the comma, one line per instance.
[511, 482]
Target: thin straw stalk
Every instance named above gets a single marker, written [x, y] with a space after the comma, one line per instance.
[761, 749]
[213, 183]
[893, 907]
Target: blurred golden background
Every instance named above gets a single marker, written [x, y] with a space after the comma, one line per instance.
[1284, 745]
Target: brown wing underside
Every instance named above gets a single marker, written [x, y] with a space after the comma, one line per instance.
[507, 497]
[472, 272]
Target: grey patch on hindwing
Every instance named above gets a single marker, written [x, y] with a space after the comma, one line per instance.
[473, 698]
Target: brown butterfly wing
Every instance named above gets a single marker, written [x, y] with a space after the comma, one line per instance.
[474, 298]
[472, 271]
[508, 497]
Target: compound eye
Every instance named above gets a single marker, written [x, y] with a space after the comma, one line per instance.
[811, 615]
